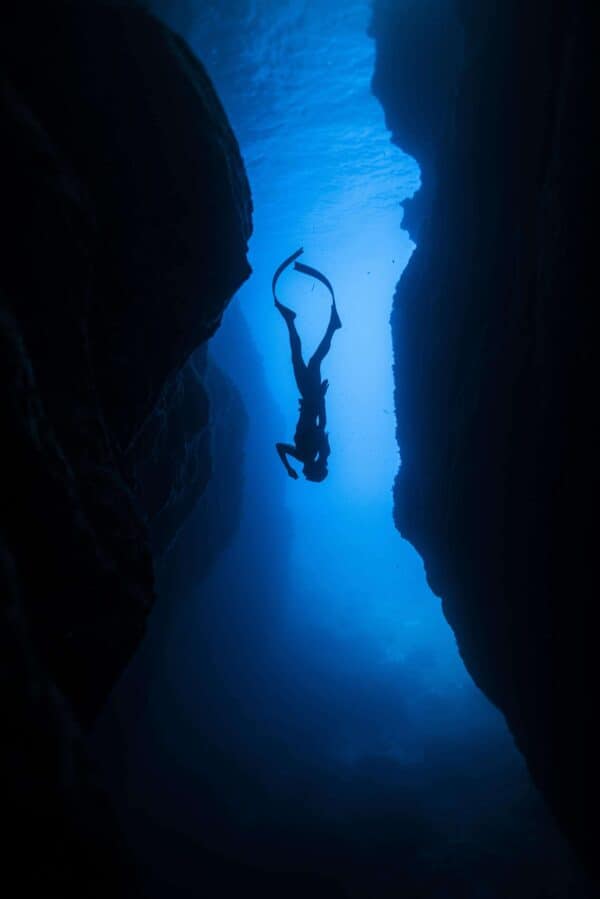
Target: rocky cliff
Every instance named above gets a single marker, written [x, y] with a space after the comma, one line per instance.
[126, 212]
[496, 371]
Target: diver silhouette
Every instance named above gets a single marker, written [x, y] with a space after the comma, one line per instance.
[311, 443]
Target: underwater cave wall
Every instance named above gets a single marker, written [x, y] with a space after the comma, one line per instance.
[126, 213]
[496, 371]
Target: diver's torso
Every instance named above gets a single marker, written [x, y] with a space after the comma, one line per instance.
[309, 436]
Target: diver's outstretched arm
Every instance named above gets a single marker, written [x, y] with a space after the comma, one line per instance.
[284, 450]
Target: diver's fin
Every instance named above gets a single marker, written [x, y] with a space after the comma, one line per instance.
[282, 268]
[308, 270]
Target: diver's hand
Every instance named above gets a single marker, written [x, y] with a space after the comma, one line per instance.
[325, 386]
[292, 473]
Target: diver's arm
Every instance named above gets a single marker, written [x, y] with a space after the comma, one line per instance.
[322, 413]
[283, 451]
[324, 449]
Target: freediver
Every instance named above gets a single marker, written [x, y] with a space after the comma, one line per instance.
[311, 443]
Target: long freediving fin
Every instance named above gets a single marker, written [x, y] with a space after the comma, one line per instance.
[308, 270]
[282, 268]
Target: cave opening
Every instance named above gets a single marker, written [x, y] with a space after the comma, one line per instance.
[305, 707]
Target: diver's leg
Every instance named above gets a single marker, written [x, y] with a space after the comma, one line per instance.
[299, 366]
[325, 345]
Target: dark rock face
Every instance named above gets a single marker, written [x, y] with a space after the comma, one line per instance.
[171, 459]
[69, 511]
[419, 43]
[151, 143]
[126, 213]
[496, 373]
[57, 585]
[199, 417]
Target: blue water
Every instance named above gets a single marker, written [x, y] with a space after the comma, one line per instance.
[309, 709]
[325, 176]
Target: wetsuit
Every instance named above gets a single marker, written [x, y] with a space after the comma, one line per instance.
[311, 444]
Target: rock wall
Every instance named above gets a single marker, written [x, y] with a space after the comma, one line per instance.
[496, 373]
[126, 213]
[420, 45]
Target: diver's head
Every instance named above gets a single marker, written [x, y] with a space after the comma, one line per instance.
[315, 470]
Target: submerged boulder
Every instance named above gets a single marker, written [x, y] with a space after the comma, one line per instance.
[496, 370]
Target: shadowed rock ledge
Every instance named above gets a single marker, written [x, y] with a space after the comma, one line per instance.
[126, 213]
[496, 375]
